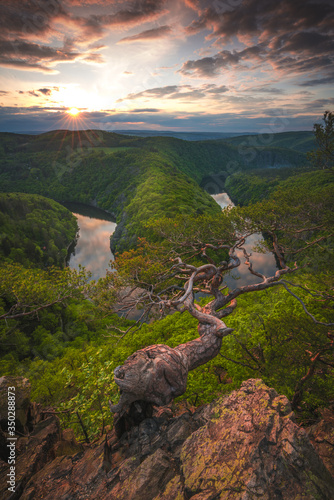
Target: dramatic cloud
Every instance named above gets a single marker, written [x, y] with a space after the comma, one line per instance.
[46, 91]
[266, 18]
[319, 81]
[27, 18]
[290, 36]
[251, 58]
[212, 89]
[38, 118]
[152, 34]
[264, 90]
[181, 92]
[134, 13]
[208, 67]
[26, 55]
[40, 92]
[145, 110]
[94, 58]
[157, 92]
[27, 28]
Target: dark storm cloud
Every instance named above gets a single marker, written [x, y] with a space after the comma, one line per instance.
[318, 81]
[319, 104]
[211, 66]
[45, 91]
[133, 13]
[217, 90]
[306, 41]
[26, 26]
[292, 36]
[152, 34]
[28, 17]
[257, 17]
[26, 55]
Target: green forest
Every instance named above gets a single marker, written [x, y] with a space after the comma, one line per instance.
[64, 331]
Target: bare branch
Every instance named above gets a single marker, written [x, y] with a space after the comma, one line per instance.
[238, 362]
[36, 309]
[304, 307]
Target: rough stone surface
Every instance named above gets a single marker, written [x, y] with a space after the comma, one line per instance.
[245, 446]
[67, 445]
[251, 448]
[322, 437]
[38, 451]
[22, 402]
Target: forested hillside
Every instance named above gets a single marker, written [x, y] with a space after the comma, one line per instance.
[131, 177]
[61, 331]
[34, 229]
[298, 141]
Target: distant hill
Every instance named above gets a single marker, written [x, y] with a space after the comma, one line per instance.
[298, 141]
[136, 178]
[185, 136]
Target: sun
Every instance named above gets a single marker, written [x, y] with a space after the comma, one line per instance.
[73, 111]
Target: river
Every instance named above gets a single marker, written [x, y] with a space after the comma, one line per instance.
[92, 249]
[262, 262]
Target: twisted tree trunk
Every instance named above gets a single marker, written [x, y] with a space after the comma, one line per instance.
[158, 374]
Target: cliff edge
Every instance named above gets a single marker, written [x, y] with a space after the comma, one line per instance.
[243, 446]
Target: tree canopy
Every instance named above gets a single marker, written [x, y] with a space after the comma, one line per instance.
[323, 156]
[195, 254]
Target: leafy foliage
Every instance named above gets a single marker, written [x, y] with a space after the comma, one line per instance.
[133, 178]
[273, 339]
[34, 230]
[70, 347]
[323, 156]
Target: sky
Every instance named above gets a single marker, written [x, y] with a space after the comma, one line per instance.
[185, 65]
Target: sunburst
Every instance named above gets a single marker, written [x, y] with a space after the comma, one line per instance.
[73, 112]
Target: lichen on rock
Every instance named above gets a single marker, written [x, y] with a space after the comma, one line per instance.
[243, 446]
[254, 450]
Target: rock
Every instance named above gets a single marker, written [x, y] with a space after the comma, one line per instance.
[22, 402]
[174, 490]
[245, 446]
[67, 445]
[251, 448]
[3, 446]
[39, 450]
[69, 477]
[322, 437]
[147, 480]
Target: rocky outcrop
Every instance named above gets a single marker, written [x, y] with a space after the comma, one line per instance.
[322, 437]
[251, 448]
[245, 446]
[22, 401]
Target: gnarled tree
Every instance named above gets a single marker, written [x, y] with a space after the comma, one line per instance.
[194, 257]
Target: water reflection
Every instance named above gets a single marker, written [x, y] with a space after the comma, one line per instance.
[262, 262]
[93, 246]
